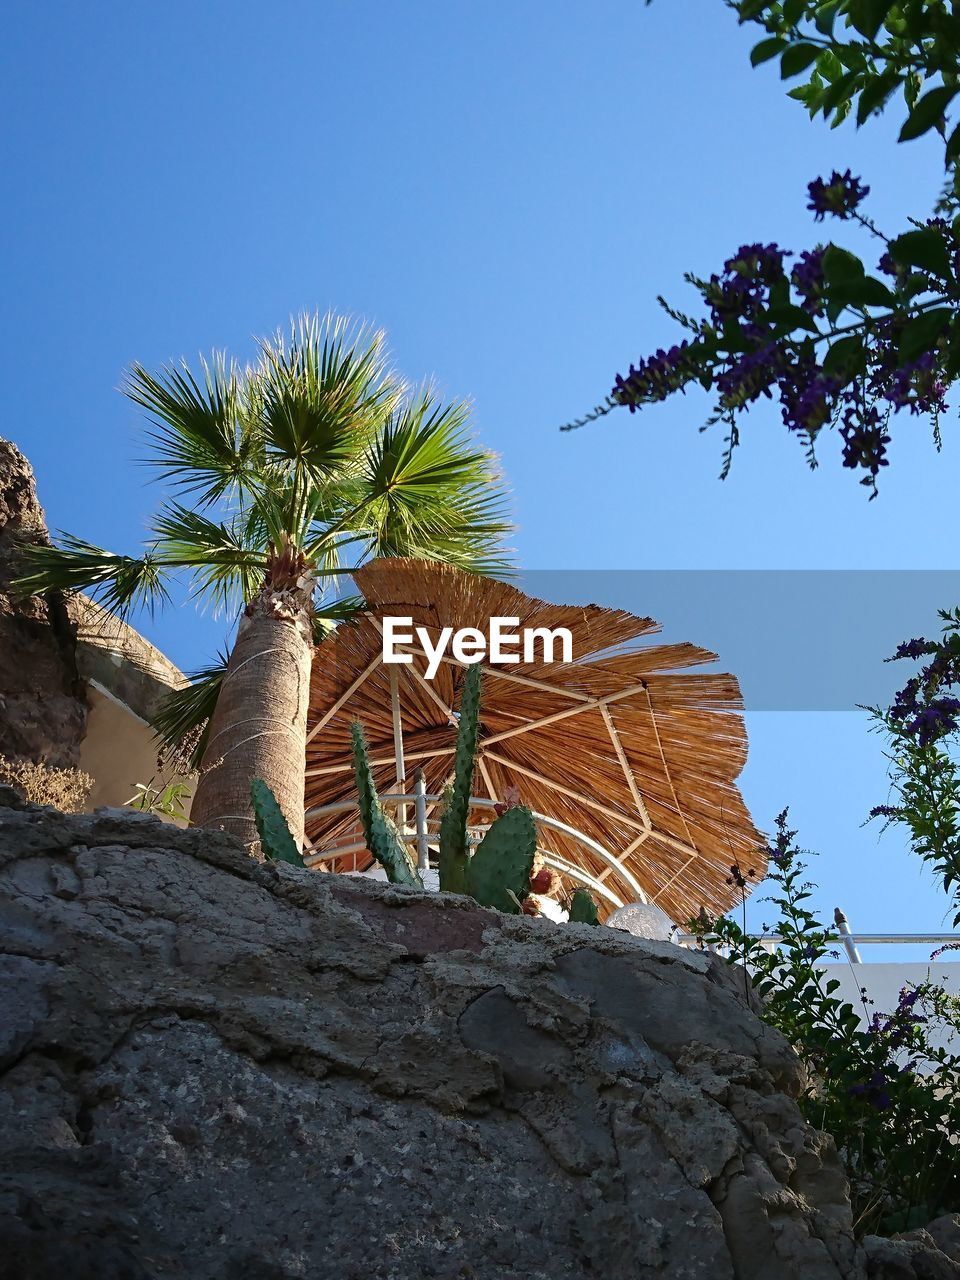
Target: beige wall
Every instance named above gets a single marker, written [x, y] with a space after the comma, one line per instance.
[118, 752]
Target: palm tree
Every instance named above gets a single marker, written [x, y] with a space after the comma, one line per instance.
[283, 477]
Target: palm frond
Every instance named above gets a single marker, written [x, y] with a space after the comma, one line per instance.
[204, 440]
[431, 493]
[335, 613]
[323, 388]
[120, 583]
[227, 564]
[181, 722]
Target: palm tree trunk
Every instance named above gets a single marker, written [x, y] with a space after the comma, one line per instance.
[259, 727]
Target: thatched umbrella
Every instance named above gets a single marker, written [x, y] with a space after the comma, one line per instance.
[636, 756]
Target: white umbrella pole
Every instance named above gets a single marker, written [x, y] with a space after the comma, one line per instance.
[398, 743]
[423, 844]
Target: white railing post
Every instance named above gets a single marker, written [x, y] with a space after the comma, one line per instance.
[420, 808]
[843, 927]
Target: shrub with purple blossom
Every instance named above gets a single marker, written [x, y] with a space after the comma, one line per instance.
[877, 1082]
[922, 726]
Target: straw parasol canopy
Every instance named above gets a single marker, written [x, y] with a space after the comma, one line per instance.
[623, 744]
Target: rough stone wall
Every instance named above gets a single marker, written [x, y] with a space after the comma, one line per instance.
[217, 1068]
[43, 709]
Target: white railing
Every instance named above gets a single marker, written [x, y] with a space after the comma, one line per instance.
[423, 837]
[851, 941]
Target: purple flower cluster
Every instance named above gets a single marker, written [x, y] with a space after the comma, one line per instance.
[875, 1091]
[782, 851]
[744, 351]
[808, 398]
[807, 276]
[917, 386]
[864, 439]
[896, 1028]
[744, 287]
[839, 197]
[655, 378]
[923, 708]
[918, 648]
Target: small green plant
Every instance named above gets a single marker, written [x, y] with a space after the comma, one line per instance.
[276, 841]
[169, 799]
[383, 839]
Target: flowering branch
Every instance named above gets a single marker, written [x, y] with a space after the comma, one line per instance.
[836, 346]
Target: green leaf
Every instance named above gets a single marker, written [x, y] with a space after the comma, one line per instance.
[841, 113]
[766, 50]
[866, 16]
[845, 355]
[825, 17]
[928, 112]
[925, 249]
[921, 333]
[793, 10]
[791, 317]
[796, 59]
[841, 267]
[875, 93]
[874, 293]
[829, 65]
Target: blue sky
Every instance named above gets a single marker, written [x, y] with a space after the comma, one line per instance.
[505, 188]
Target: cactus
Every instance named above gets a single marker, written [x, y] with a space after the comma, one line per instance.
[583, 909]
[382, 837]
[275, 839]
[498, 874]
[454, 850]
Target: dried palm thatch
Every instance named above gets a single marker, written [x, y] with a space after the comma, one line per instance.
[624, 743]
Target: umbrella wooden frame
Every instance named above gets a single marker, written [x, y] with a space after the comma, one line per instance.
[730, 834]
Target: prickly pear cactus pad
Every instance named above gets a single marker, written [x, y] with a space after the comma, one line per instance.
[498, 874]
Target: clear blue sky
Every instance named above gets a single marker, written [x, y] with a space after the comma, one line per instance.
[505, 188]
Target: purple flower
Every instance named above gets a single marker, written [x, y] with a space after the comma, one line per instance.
[839, 197]
[807, 276]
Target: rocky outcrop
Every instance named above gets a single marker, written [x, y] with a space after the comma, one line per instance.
[930, 1254]
[43, 709]
[217, 1068]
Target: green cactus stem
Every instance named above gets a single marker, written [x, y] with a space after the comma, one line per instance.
[382, 837]
[454, 850]
[275, 839]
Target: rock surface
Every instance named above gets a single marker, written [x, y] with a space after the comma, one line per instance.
[43, 708]
[228, 1070]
